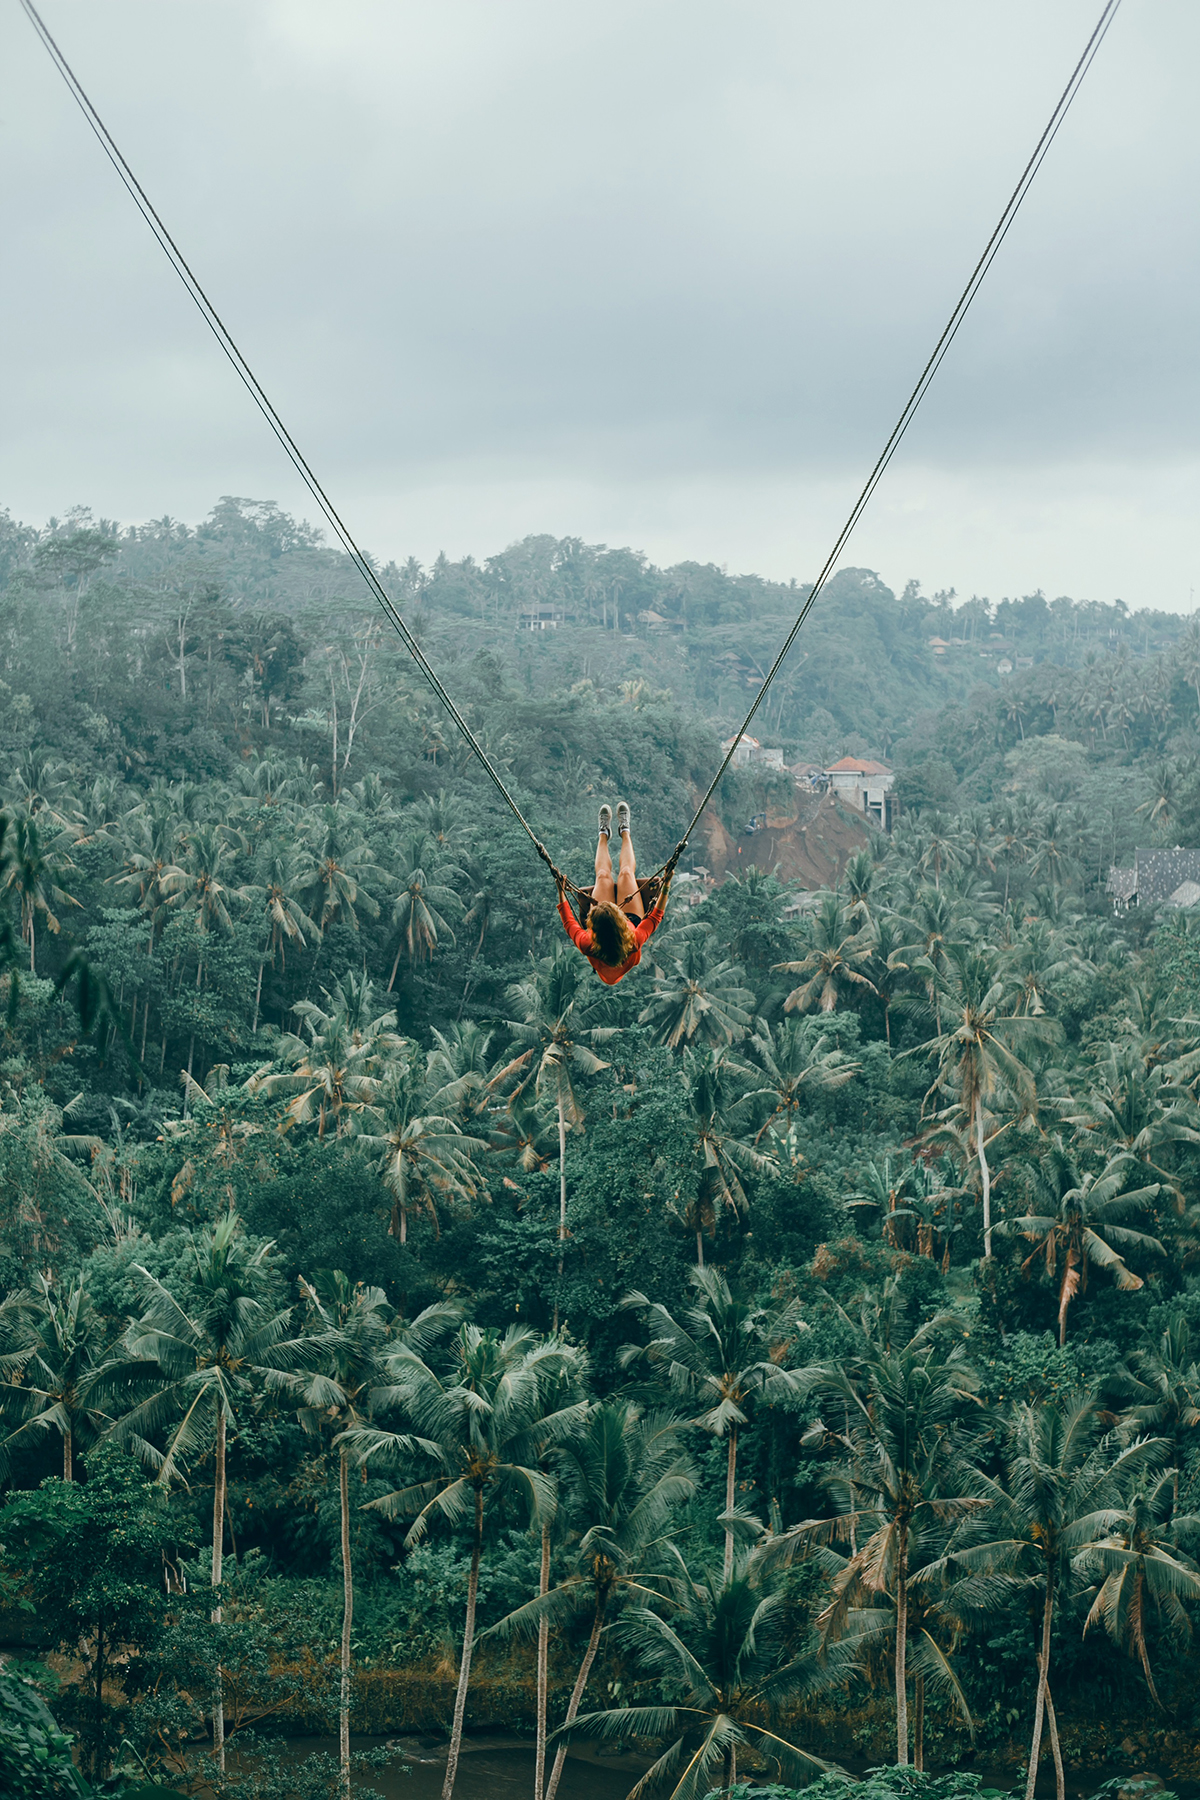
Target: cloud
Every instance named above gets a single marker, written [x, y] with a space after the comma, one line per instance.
[652, 269]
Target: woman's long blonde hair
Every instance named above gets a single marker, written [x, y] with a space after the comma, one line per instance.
[613, 941]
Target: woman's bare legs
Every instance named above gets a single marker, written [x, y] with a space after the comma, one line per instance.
[606, 887]
[629, 898]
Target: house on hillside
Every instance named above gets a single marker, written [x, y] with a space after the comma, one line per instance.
[751, 751]
[1157, 878]
[867, 786]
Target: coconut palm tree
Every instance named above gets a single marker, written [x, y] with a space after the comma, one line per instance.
[424, 903]
[1141, 1569]
[797, 1059]
[51, 1362]
[898, 1471]
[1143, 1112]
[698, 999]
[622, 1477]
[554, 1033]
[31, 871]
[276, 898]
[722, 1659]
[422, 1152]
[719, 1093]
[1162, 1389]
[482, 1416]
[725, 1355]
[1077, 1221]
[349, 1331]
[835, 960]
[979, 1048]
[341, 1061]
[1061, 1485]
[204, 1356]
[336, 868]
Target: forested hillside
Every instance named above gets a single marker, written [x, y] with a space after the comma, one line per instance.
[822, 1297]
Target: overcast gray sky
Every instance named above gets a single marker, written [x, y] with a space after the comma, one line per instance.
[648, 272]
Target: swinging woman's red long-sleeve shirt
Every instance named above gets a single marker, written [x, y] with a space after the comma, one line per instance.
[583, 940]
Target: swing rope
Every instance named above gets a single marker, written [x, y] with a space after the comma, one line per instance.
[362, 562]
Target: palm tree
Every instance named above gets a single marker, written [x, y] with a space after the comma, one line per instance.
[834, 962]
[204, 1356]
[148, 857]
[277, 897]
[1078, 1219]
[553, 1032]
[335, 870]
[341, 1062]
[1141, 1111]
[697, 999]
[422, 1151]
[719, 1092]
[419, 914]
[897, 1472]
[1141, 1569]
[1164, 1388]
[51, 1362]
[199, 889]
[350, 1330]
[979, 1047]
[724, 1354]
[622, 1476]
[1061, 1484]
[890, 961]
[481, 898]
[726, 1666]
[483, 1419]
[30, 871]
[798, 1059]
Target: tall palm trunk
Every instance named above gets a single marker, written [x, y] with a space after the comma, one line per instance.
[577, 1692]
[985, 1175]
[562, 1198]
[218, 1543]
[902, 1646]
[919, 1724]
[730, 1491]
[347, 1620]
[1060, 1780]
[464, 1668]
[257, 998]
[1043, 1682]
[543, 1670]
[68, 1455]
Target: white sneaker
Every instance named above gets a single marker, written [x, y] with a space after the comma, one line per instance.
[622, 815]
[606, 821]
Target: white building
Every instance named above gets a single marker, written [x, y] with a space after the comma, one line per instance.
[751, 751]
[866, 786]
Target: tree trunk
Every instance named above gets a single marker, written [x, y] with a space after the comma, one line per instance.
[543, 1671]
[919, 1725]
[1060, 1780]
[257, 998]
[218, 1544]
[902, 1648]
[464, 1669]
[68, 1455]
[699, 1247]
[730, 1480]
[187, 1086]
[1043, 1680]
[577, 1693]
[985, 1175]
[562, 1200]
[347, 1620]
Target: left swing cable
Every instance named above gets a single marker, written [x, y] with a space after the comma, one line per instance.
[253, 386]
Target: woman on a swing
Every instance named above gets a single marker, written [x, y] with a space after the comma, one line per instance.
[618, 925]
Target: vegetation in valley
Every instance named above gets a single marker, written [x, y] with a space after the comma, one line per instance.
[789, 1354]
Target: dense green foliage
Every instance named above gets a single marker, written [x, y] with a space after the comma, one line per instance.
[380, 1290]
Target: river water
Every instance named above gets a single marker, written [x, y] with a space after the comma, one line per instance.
[490, 1768]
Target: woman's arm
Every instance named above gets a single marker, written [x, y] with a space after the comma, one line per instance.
[581, 939]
